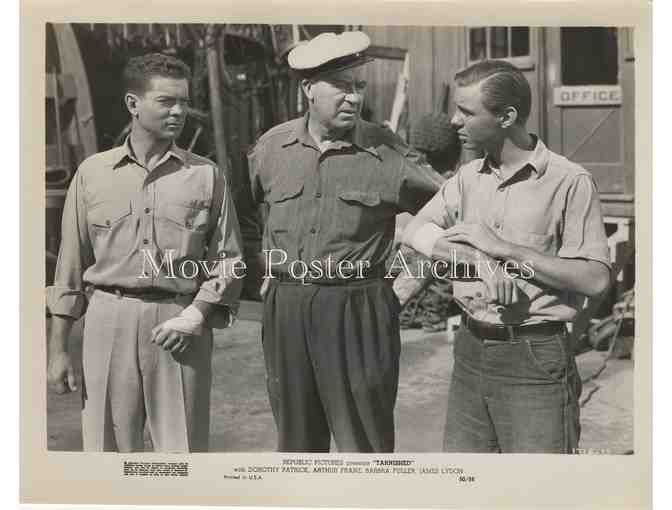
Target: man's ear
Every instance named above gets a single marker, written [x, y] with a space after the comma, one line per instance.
[131, 101]
[307, 87]
[508, 117]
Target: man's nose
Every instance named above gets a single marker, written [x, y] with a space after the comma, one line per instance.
[355, 95]
[178, 109]
[457, 120]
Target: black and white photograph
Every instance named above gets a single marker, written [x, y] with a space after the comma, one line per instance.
[319, 240]
[340, 340]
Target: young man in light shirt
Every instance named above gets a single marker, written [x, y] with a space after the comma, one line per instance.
[527, 223]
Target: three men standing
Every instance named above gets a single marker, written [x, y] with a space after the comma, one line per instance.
[332, 184]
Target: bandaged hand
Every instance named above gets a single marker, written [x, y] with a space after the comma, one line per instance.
[176, 334]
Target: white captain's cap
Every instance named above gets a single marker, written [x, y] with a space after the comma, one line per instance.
[329, 52]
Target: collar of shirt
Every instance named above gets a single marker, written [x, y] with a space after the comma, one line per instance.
[537, 161]
[357, 137]
[125, 152]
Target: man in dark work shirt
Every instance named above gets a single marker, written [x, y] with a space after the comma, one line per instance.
[333, 185]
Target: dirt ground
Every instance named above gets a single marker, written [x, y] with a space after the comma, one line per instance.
[242, 420]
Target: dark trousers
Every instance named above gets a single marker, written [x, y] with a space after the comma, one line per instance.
[332, 364]
[518, 396]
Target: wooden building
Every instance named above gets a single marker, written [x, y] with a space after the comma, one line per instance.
[582, 82]
[583, 97]
[582, 101]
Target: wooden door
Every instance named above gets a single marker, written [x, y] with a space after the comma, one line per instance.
[590, 98]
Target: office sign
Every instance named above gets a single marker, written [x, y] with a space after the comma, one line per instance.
[588, 95]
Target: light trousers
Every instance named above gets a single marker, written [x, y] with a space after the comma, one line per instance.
[130, 382]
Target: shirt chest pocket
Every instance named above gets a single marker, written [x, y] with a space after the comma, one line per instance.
[182, 229]
[363, 214]
[543, 243]
[111, 227]
[283, 201]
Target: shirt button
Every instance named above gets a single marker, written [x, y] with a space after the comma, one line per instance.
[479, 294]
[107, 222]
[145, 241]
[318, 194]
[147, 209]
[313, 230]
[188, 224]
[497, 225]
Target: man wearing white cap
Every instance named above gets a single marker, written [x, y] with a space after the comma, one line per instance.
[332, 184]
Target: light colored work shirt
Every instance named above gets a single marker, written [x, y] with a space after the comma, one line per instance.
[549, 204]
[117, 213]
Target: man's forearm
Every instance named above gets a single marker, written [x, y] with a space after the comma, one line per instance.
[204, 307]
[587, 277]
[461, 254]
[426, 237]
[431, 240]
[61, 326]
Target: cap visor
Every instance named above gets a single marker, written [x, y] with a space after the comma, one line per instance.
[319, 73]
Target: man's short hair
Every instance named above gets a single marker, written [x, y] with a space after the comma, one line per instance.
[502, 85]
[139, 70]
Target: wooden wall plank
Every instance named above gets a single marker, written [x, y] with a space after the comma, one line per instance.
[447, 61]
[421, 85]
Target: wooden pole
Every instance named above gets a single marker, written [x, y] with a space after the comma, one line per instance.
[110, 36]
[296, 37]
[57, 113]
[216, 104]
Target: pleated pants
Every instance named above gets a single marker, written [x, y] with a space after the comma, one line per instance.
[332, 362]
[130, 382]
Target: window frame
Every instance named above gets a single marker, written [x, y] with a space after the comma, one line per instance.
[524, 63]
[619, 56]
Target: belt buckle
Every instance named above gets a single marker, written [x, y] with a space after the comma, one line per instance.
[510, 332]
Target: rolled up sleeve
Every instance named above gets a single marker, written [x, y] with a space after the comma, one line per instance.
[583, 233]
[66, 297]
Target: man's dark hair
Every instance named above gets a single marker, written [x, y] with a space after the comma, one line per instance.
[139, 70]
[502, 85]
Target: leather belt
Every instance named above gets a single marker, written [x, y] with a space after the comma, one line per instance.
[504, 332]
[148, 294]
[375, 273]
